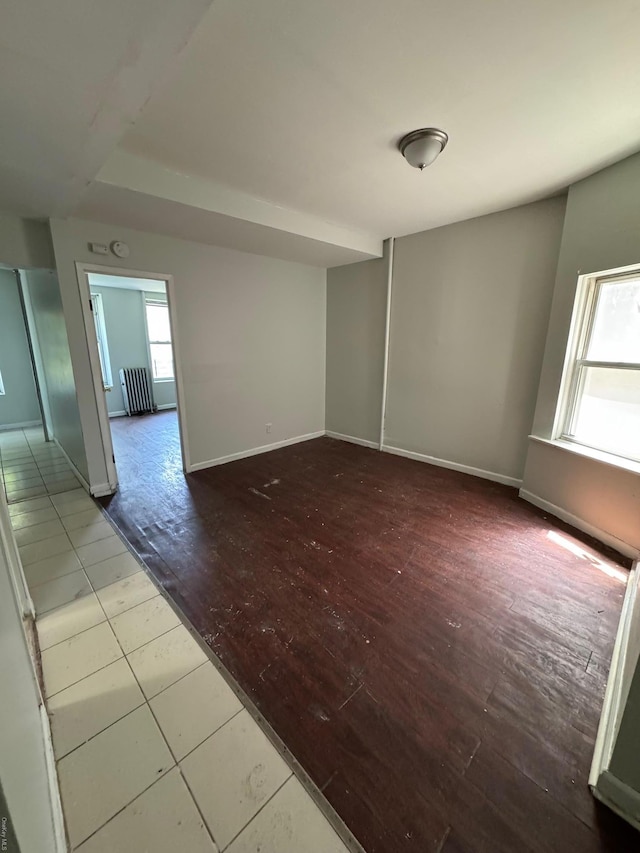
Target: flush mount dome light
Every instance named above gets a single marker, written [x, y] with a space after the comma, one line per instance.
[421, 147]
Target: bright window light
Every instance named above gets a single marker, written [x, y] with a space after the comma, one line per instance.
[568, 545]
[159, 331]
[101, 335]
[602, 402]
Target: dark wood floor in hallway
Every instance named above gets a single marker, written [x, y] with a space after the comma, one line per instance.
[432, 649]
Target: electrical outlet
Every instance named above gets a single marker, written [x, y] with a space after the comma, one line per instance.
[268, 426]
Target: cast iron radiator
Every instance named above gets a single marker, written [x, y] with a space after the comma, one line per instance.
[137, 392]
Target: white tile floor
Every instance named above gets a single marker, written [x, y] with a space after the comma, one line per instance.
[155, 751]
[30, 466]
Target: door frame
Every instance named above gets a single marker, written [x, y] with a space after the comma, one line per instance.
[82, 273]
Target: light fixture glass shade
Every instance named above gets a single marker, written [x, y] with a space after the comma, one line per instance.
[421, 147]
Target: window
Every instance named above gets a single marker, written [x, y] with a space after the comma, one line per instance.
[159, 331]
[101, 335]
[602, 402]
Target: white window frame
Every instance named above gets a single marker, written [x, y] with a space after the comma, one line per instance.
[576, 362]
[162, 304]
[103, 343]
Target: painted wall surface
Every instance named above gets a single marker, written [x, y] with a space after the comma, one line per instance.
[127, 341]
[43, 291]
[23, 766]
[19, 403]
[251, 337]
[593, 493]
[24, 243]
[468, 324]
[601, 232]
[356, 317]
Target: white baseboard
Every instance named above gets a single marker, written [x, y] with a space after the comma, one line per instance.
[581, 524]
[363, 442]
[23, 425]
[623, 662]
[122, 413]
[620, 798]
[102, 490]
[57, 814]
[453, 466]
[77, 473]
[254, 451]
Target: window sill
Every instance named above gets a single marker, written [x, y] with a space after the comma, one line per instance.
[160, 381]
[591, 453]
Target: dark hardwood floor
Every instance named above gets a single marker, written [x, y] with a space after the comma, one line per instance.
[431, 648]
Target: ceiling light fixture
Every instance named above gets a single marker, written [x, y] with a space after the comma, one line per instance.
[421, 147]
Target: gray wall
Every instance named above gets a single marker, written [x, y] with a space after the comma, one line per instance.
[601, 232]
[19, 404]
[43, 292]
[356, 316]
[468, 324]
[127, 342]
[251, 339]
[24, 243]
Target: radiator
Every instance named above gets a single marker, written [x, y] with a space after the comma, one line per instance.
[136, 390]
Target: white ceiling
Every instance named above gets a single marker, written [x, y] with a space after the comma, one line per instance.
[301, 103]
[272, 128]
[74, 75]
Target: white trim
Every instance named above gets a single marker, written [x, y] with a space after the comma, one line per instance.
[387, 340]
[23, 425]
[84, 290]
[84, 269]
[620, 675]
[454, 466]
[352, 439]
[581, 524]
[57, 813]
[254, 451]
[77, 473]
[590, 453]
[9, 547]
[161, 408]
[587, 294]
[178, 378]
[620, 798]
[102, 490]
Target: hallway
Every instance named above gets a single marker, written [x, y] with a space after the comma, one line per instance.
[31, 467]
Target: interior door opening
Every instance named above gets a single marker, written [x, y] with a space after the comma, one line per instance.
[134, 365]
[37, 452]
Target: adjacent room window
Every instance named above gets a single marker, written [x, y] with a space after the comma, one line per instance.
[602, 401]
[159, 331]
[101, 335]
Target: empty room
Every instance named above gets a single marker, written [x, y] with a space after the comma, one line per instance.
[320, 427]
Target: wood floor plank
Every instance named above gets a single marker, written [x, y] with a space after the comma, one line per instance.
[431, 648]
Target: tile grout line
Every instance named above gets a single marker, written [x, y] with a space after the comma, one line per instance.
[102, 825]
[147, 700]
[266, 802]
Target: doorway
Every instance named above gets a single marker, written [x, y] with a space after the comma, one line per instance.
[34, 461]
[131, 339]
